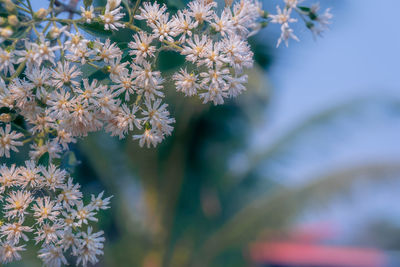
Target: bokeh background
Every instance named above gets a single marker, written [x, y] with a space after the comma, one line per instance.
[303, 169]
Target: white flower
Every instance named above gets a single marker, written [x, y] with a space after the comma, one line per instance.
[141, 46]
[186, 83]
[202, 10]
[325, 18]
[29, 175]
[74, 41]
[89, 247]
[55, 32]
[107, 102]
[125, 83]
[183, 24]
[116, 68]
[53, 148]
[9, 251]
[70, 194]
[17, 203]
[63, 74]
[158, 116]
[283, 17]
[149, 137]
[49, 233]
[69, 239]
[30, 54]
[90, 93]
[246, 14]
[214, 81]
[7, 61]
[59, 104]
[236, 85]
[224, 23]
[98, 203]
[151, 12]
[8, 177]
[196, 48]
[292, 3]
[216, 77]
[123, 122]
[46, 51]
[37, 209]
[238, 53]
[107, 51]
[53, 177]
[286, 34]
[163, 28]
[147, 79]
[64, 138]
[14, 231]
[111, 18]
[88, 14]
[39, 77]
[52, 255]
[80, 53]
[212, 55]
[214, 93]
[8, 141]
[21, 92]
[45, 209]
[84, 214]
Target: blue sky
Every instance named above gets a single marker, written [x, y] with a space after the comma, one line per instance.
[358, 57]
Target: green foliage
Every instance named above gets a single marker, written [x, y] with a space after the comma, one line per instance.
[44, 159]
[87, 3]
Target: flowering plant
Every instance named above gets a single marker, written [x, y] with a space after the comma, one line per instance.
[48, 101]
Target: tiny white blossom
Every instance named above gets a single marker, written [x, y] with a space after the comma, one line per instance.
[88, 14]
[286, 34]
[148, 137]
[111, 19]
[7, 61]
[89, 247]
[10, 251]
[52, 255]
[8, 141]
[186, 83]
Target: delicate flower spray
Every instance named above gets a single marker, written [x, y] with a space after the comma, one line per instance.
[44, 85]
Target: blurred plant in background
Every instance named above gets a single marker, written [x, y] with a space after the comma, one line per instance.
[59, 84]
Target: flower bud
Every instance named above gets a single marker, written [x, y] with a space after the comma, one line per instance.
[5, 117]
[112, 4]
[10, 6]
[54, 32]
[6, 32]
[13, 20]
[41, 13]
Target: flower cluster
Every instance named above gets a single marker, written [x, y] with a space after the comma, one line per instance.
[317, 23]
[59, 81]
[215, 45]
[43, 205]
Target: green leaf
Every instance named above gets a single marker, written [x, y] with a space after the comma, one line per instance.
[168, 60]
[95, 28]
[87, 3]
[304, 8]
[44, 159]
[274, 211]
